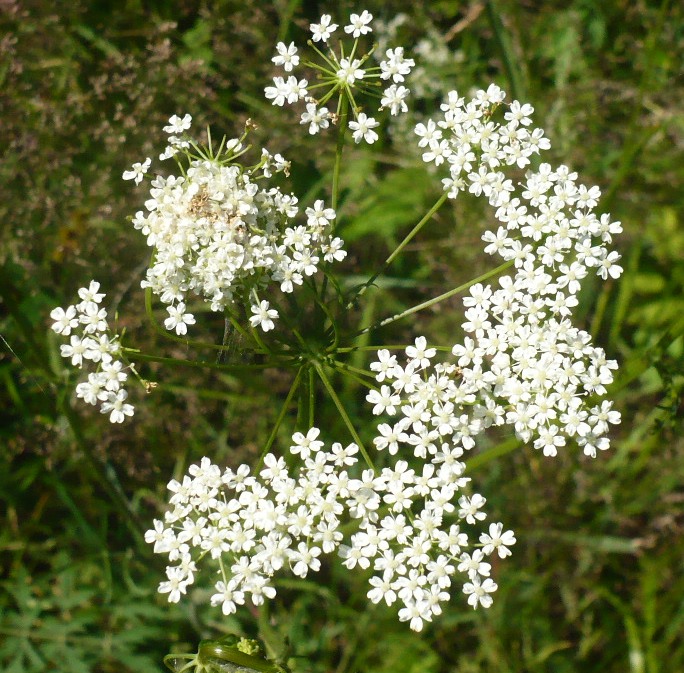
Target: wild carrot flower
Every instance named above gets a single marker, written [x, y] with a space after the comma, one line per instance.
[346, 73]
[219, 232]
[92, 344]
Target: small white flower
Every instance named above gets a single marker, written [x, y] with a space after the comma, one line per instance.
[116, 406]
[304, 445]
[358, 24]
[324, 29]
[91, 294]
[319, 216]
[137, 171]
[384, 400]
[394, 98]
[316, 118]
[287, 56]
[65, 321]
[178, 319]
[74, 350]
[349, 71]
[178, 125]
[263, 316]
[478, 593]
[396, 66]
[497, 540]
[363, 129]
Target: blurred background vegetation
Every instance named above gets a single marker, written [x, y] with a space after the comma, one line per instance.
[596, 582]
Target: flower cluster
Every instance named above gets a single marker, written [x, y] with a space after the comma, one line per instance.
[415, 543]
[92, 342]
[552, 219]
[344, 75]
[523, 357]
[533, 378]
[253, 526]
[218, 233]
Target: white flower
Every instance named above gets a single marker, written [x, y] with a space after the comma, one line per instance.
[324, 29]
[178, 319]
[137, 171]
[294, 89]
[420, 352]
[470, 508]
[113, 375]
[65, 321]
[286, 56]
[363, 129]
[176, 584]
[478, 593]
[358, 24]
[394, 98]
[386, 363]
[349, 71]
[305, 445]
[316, 118]
[91, 294]
[305, 559]
[75, 350]
[263, 316]
[93, 319]
[384, 400]
[178, 125]
[227, 598]
[92, 390]
[319, 216]
[608, 267]
[396, 66]
[497, 540]
[116, 406]
[277, 93]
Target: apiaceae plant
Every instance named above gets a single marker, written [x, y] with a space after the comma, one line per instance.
[401, 507]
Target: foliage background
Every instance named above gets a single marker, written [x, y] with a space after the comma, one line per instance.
[595, 583]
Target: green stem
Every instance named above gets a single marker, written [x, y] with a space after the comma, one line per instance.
[434, 300]
[343, 413]
[356, 370]
[137, 355]
[312, 398]
[279, 420]
[343, 114]
[354, 349]
[355, 377]
[236, 323]
[399, 248]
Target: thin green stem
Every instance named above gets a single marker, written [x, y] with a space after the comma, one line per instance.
[343, 413]
[343, 114]
[137, 355]
[438, 204]
[362, 372]
[435, 300]
[379, 347]
[355, 377]
[279, 420]
[312, 398]
[236, 323]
